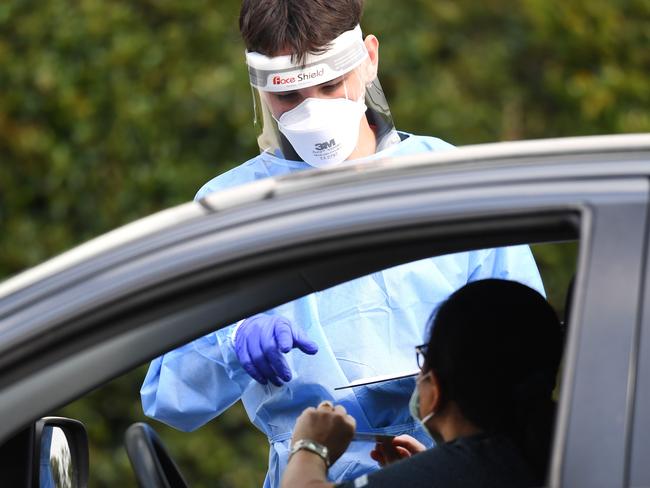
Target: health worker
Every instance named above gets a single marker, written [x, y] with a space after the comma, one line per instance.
[320, 104]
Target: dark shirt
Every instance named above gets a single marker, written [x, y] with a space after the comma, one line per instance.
[479, 461]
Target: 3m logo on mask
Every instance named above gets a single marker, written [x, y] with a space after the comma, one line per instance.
[322, 146]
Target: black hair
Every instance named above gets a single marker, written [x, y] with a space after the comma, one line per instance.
[495, 348]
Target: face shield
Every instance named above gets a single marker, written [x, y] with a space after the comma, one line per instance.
[313, 111]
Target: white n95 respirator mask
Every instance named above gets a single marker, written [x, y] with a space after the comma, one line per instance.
[323, 131]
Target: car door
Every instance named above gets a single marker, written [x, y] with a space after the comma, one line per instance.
[241, 252]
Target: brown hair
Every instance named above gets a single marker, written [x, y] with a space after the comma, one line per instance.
[299, 26]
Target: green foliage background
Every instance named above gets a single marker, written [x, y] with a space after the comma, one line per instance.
[111, 110]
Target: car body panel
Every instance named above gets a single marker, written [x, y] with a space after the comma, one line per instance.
[602, 328]
[639, 425]
[70, 325]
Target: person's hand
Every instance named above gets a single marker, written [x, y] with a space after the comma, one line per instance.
[328, 425]
[261, 342]
[400, 447]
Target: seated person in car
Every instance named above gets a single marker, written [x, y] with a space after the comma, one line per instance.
[484, 394]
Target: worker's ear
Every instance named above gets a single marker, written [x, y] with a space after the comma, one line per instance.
[372, 45]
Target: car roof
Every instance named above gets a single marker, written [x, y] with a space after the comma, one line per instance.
[463, 159]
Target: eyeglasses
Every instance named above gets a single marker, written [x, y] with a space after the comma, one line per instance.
[420, 355]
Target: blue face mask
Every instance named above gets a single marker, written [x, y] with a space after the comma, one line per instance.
[414, 409]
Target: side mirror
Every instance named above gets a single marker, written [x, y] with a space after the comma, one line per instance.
[61, 450]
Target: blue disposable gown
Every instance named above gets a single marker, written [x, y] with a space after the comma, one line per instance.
[365, 327]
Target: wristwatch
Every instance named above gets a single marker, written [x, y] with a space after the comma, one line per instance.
[312, 446]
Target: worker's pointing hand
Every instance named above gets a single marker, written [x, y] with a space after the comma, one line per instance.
[261, 342]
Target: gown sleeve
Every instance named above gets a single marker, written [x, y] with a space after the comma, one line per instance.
[189, 386]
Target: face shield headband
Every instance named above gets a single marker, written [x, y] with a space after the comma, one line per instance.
[280, 73]
[318, 122]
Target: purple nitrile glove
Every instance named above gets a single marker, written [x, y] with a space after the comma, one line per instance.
[261, 342]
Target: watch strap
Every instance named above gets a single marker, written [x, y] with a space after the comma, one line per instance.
[311, 446]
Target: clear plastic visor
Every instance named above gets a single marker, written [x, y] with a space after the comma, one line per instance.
[268, 107]
[323, 77]
[350, 86]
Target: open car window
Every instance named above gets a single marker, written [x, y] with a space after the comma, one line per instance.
[232, 450]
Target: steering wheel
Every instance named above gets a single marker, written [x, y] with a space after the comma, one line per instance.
[153, 466]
